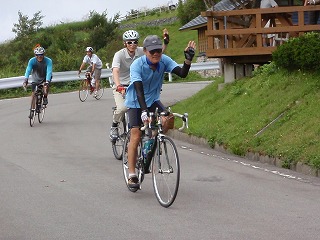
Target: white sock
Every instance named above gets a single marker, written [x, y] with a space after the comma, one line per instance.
[132, 175]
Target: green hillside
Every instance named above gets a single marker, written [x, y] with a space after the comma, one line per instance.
[65, 43]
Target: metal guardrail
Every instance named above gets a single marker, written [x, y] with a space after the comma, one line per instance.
[201, 66]
[14, 82]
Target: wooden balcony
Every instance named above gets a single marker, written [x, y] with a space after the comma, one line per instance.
[237, 35]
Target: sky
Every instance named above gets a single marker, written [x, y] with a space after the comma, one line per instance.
[57, 11]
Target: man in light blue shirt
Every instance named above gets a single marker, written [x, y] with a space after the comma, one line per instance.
[143, 93]
[141, 71]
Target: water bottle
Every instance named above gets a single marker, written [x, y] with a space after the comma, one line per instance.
[145, 145]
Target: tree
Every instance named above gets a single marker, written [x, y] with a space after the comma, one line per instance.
[102, 29]
[189, 9]
[26, 26]
[209, 4]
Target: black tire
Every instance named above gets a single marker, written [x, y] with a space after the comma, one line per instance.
[166, 172]
[139, 165]
[83, 90]
[100, 91]
[117, 145]
[32, 114]
[42, 112]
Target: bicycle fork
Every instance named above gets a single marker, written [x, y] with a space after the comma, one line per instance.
[162, 150]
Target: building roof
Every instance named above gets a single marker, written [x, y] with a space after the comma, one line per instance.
[195, 23]
[226, 5]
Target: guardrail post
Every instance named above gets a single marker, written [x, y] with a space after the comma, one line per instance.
[170, 77]
[110, 78]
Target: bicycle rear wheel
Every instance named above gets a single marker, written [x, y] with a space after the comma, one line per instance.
[100, 91]
[139, 165]
[32, 114]
[117, 144]
[166, 171]
[83, 90]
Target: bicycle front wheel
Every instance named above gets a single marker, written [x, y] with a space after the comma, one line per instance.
[100, 91]
[117, 144]
[83, 90]
[32, 114]
[41, 113]
[166, 171]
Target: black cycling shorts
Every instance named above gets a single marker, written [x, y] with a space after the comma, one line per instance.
[135, 114]
[33, 85]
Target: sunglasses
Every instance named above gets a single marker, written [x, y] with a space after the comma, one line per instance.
[39, 55]
[155, 51]
[132, 42]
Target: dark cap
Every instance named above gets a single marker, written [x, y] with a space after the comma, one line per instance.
[152, 42]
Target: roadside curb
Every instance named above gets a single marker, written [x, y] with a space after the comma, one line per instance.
[299, 167]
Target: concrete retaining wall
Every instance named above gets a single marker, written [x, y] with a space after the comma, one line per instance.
[299, 167]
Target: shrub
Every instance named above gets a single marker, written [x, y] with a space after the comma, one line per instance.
[299, 53]
[189, 9]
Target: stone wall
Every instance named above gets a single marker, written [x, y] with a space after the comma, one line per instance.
[208, 73]
[157, 22]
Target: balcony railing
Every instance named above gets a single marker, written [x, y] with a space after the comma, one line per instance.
[238, 33]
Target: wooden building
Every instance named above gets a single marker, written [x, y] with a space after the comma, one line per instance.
[236, 35]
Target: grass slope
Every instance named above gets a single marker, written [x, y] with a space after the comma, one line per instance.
[233, 116]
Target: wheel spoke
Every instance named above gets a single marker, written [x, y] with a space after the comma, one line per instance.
[125, 167]
[83, 90]
[32, 114]
[117, 144]
[166, 172]
[100, 91]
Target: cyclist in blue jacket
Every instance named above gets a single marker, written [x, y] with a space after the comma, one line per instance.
[143, 93]
[41, 69]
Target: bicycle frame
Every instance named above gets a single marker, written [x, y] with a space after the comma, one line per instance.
[37, 107]
[157, 130]
[86, 88]
[162, 160]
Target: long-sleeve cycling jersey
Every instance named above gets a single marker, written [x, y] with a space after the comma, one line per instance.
[40, 70]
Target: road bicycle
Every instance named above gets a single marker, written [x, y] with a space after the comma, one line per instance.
[86, 88]
[37, 109]
[123, 128]
[162, 160]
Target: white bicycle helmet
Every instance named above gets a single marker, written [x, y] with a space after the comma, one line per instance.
[39, 50]
[89, 49]
[130, 35]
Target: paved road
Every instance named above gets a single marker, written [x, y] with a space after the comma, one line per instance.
[59, 180]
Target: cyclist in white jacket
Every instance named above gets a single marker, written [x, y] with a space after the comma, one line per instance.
[95, 66]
